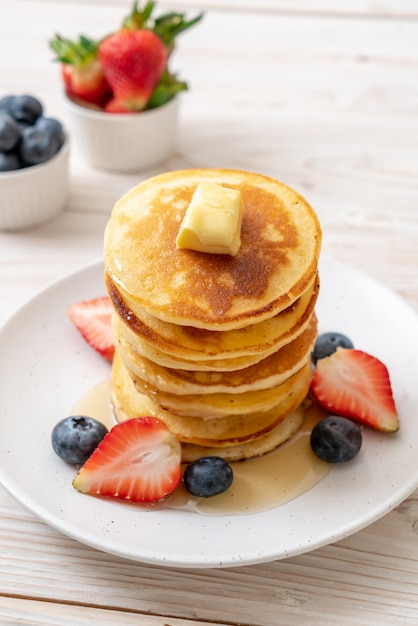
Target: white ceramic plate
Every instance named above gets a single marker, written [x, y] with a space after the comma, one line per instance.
[44, 372]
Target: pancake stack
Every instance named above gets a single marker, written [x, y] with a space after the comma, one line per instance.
[216, 346]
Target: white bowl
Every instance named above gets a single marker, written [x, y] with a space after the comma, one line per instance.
[35, 194]
[124, 142]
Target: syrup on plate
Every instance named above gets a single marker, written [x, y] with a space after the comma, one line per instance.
[259, 484]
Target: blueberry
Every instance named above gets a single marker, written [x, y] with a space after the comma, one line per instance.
[52, 126]
[27, 137]
[208, 476]
[9, 132]
[336, 439]
[327, 344]
[25, 108]
[9, 161]
[75, 438]
[5, 103]
[37, 146]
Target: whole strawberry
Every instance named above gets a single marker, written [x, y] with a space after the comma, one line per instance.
[128, 69]
[133, 63]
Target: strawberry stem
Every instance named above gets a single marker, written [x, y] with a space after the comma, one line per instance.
[166, 26]
[138, 19]
[74, 52]
[166, 89]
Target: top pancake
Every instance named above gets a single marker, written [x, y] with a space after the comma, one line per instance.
[276, 263]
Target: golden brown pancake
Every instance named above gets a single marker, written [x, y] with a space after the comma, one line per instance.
[276, 263]
[124, 335]
[250, 449]
[230, 430]
[216, 405]
[152, 335]
[266, 374]
[217, 346]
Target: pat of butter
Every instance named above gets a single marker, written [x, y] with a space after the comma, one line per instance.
[213, 220]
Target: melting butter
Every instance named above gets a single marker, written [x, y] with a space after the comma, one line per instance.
[213, 220]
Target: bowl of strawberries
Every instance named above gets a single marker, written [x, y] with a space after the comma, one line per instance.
[121, 97]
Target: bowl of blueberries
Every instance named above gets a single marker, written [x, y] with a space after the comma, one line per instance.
[34, 172]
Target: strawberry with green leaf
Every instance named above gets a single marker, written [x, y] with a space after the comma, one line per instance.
[133, 62]
[81, 70]
[167, 26]
[135, 59]
[128, 69]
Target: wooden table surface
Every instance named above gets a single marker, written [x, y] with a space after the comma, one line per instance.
[324, 98]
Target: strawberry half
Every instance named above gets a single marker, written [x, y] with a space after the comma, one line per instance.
[138, 460]
[81, 70]
[354, 384]
[92, 318]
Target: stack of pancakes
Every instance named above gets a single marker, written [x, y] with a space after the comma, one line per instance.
[216, 346]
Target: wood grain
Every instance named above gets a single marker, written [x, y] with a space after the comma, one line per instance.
[369, 576]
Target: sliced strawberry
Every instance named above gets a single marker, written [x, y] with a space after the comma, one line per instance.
[81, 70]
[138, 460]
[92, 318]
[86, 83]
[354, 384]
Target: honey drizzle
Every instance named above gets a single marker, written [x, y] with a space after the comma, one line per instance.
[259, 484]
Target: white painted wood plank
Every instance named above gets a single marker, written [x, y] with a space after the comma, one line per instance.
[31, 260]
[380, 8]
[367, 579]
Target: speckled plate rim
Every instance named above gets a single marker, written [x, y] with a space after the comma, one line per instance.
[45, 371]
